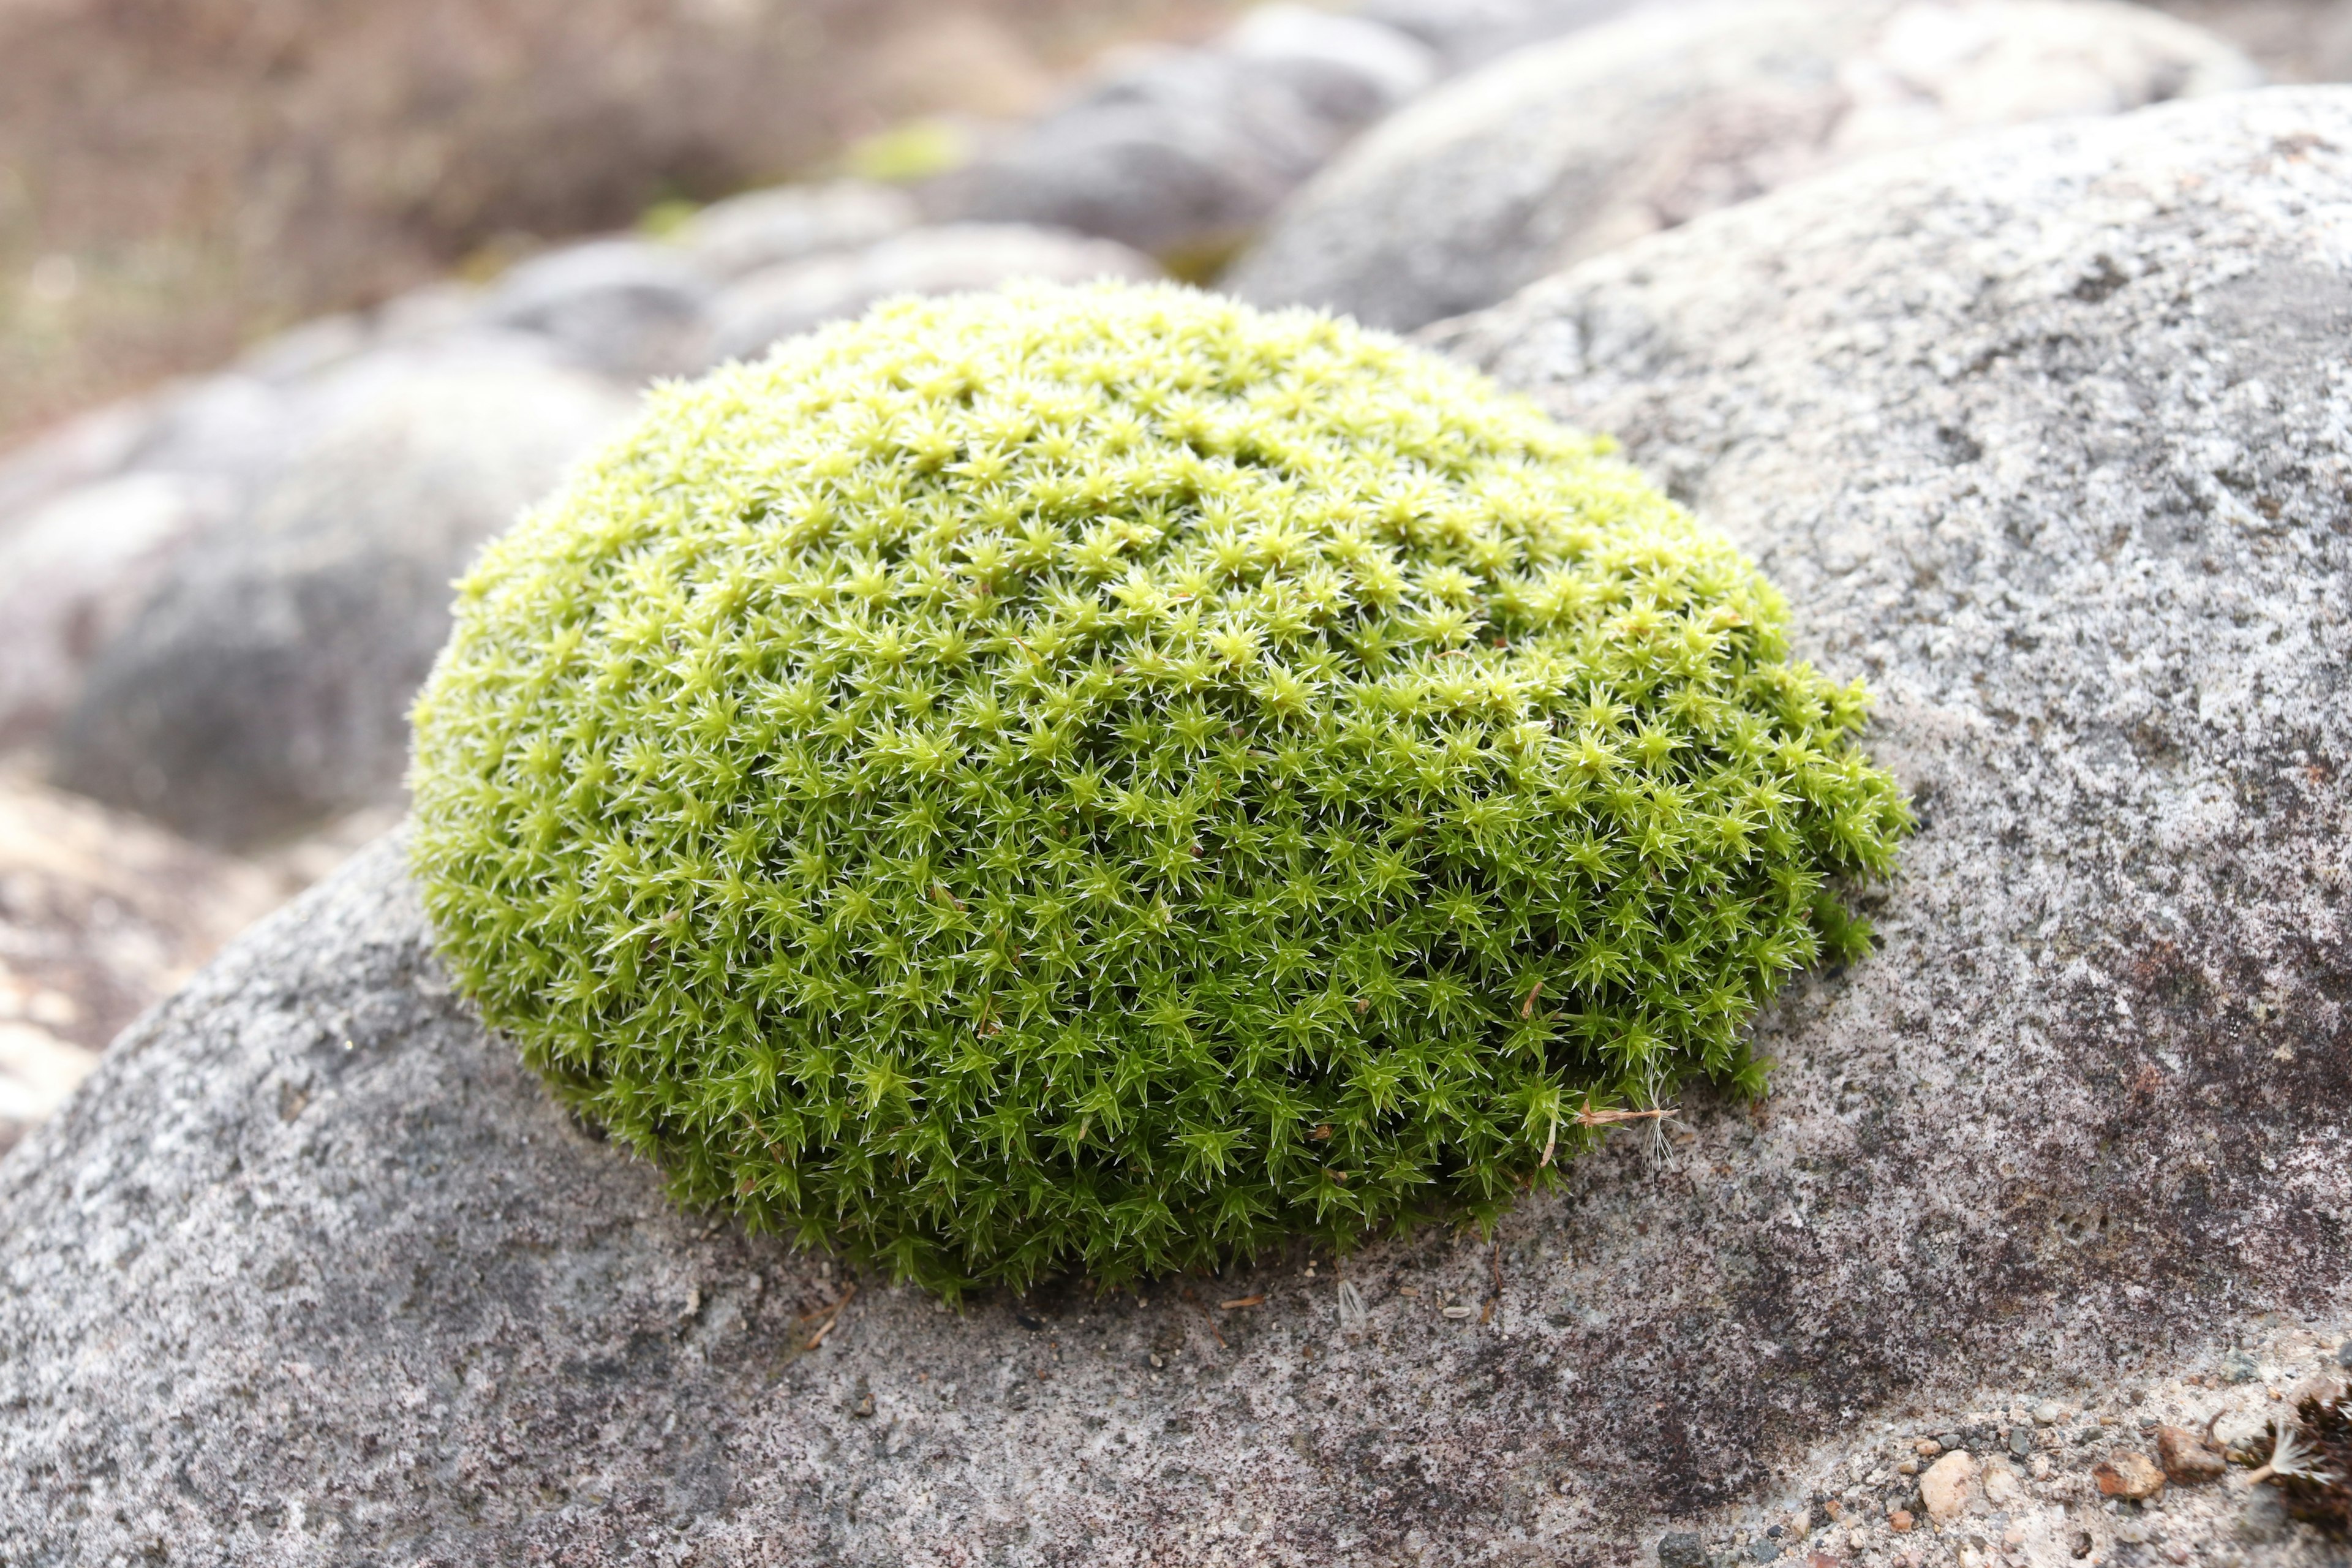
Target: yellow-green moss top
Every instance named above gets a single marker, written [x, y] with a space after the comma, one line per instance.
[1105, 779]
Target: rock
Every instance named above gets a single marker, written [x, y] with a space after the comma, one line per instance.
[101, 915]
[233, 427]
[71, 575]
[2237, 1366]
[2128, 1475]
[81, 451]
[2002, 1488]
[309, 1238]
[1347, 70]
[1680, 1549]
[952, 257]
[2048, 1413]
[626, 308]
[2186, 1458]
[1900, 1520]
[793, 223]
[2293, 40]
[2344, 1354]
[1181, 153]
[1567, 148]
[1948, 1486]
[2069, 387]
[1464, 32]
[264, 683]
[2021, 1441]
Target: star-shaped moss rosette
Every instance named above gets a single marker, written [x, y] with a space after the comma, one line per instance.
[1103, 779]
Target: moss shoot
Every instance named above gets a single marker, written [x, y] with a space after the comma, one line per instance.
[1106, 780]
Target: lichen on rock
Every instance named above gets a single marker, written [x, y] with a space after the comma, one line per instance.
[1103, 778]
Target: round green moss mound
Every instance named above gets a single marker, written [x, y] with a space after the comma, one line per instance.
[1105, 779]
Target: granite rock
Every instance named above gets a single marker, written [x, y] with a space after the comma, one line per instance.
[2047, 435]
[263, 683]
[1560, 152]
[1181, 153]
[779, 301]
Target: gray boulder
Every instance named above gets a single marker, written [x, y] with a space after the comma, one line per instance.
[1562, 150]
[627, 308]
[1181, 153]
[264, 682]
[793, 223]
[2048, 437]
[947, 258]
[1468, 32]
[72, 576]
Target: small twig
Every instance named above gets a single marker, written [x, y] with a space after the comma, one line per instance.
[831, 1315]
[1239, 1301]
[1588, 1116]
[2212, 1421]
[1529, 1005]
[1495, 1260]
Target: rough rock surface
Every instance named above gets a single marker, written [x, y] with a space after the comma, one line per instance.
[1562, 150]
[1180, 152]
[264, 684]
[101, 916]
[779, 302]
[2047, 435]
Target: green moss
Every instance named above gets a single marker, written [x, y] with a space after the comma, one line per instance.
[1105, 779]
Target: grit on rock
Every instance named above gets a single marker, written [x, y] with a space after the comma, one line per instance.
[2047, 435]
[1560, 152]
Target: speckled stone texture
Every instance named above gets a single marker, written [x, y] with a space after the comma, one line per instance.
[1567, 148]
[2047, 435]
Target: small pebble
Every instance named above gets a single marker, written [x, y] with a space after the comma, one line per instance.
[1907, 1467]
[1899, 1520]
[1928, 1447]
[2130, 1475]
[2048, 1413]
[1944, 1489]
[1763, 1550]
[2238, 1367]
[1680, 1549]
[2185, 1459]
[2021, 1440]
[2344, 1354]
[1951, 1440]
